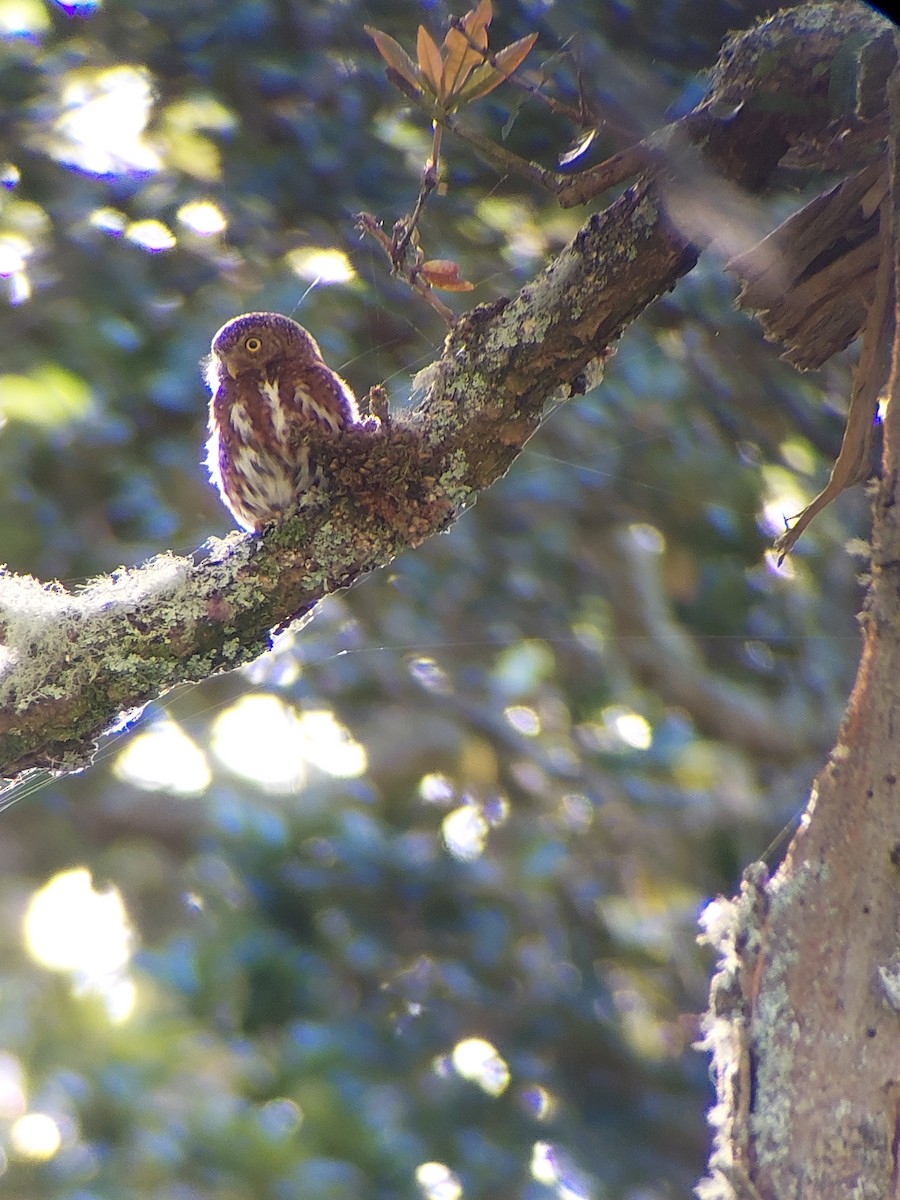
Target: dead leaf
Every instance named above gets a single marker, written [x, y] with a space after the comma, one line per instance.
[443, 274]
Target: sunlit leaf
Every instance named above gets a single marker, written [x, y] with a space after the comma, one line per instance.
[476, 21]
[395, 56]
[430, 62]
[511, 56]
[489, 76]
[475, 87]
[461, 55]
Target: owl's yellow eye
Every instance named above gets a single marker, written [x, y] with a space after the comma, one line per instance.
[252, 344]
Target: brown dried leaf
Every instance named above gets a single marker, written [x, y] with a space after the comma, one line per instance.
[443, 274]
[870, 379]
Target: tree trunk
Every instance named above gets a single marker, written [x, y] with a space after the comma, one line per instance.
[804, 1021]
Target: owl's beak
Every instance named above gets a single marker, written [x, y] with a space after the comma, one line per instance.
[231, 370]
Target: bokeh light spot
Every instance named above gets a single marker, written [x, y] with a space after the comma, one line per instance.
[36, 1136]
[427, 672]
[551, 1166]
[523, 719]
[78, 8]
[202, 217]
[12, 1087]
[784, 500]
[266, 740]
[68, 926]
[109, 220]
[631, 729]
[257, 737]
[321, 264]
[164, 758]
[539, 1103]
[23, 18]
[14, 252]
[152, 236]
[49, 396]
[280, 1118]
[329, 746]
[480, 1063]
[465, 832]
[435, 788]
[437, 1182]
[543, 1163]
[100, 128]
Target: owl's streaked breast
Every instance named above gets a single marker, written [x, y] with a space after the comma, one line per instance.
[277, 408]
[249, 453]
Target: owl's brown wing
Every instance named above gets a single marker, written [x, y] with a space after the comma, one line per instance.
[321, 395]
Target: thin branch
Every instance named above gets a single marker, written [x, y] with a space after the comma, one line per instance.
[498, 156]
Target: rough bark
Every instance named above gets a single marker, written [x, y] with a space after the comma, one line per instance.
[804, 1021]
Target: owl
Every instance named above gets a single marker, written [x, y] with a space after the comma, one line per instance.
[269, 382]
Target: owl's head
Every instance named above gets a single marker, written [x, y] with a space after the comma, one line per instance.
[256, 340]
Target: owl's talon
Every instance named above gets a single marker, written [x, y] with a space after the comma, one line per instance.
[379, 408]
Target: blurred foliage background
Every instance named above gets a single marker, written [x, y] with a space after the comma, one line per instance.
[409, 908]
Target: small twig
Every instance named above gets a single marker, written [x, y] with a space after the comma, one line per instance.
[437, 133]
[369, 224]
[377, 405]
[404, 228]
[501, 158]
[571, 190]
